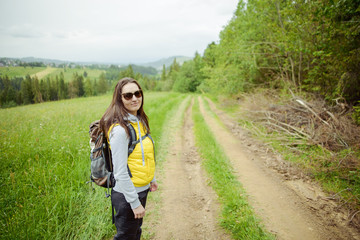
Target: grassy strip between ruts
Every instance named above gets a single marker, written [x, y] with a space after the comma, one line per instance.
[45, 156]
[237, 215]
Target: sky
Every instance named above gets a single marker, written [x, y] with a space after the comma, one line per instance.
[110, 31]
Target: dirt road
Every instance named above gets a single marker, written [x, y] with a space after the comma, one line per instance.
[190, 210]
[290, 207]
[42, 74]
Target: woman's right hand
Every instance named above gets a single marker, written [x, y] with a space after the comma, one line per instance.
[139, 212]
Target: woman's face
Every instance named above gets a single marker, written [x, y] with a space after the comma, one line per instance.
[133, 104]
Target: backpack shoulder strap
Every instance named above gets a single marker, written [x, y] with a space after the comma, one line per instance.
[132, 141]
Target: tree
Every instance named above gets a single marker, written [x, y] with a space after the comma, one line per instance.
[47, 95]
[171, 77]
[174, 66]
[185, 77]
[102, 86]
[80, 84]
[163, 74]
[88, 88]
[54, 89]
[8, 93]
[4, 87]
[73, 87]
[95, 88]
[129, 72]
[26, 90]
[43, 90]
[198, 74]
[36, 91]
[62, 87]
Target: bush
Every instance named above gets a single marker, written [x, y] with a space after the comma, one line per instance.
[9, 104]
[356, 114]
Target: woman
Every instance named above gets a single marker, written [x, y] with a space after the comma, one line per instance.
[134, 174]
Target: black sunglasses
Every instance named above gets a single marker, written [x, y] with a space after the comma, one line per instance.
[129, 95]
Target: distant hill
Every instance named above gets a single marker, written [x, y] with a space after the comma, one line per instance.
[167, 61]
[144, 70]
[156, 64]
[43, 60]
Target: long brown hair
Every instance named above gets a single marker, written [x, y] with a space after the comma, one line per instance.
[116, 112]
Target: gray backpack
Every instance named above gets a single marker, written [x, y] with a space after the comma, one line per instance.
[100, 155]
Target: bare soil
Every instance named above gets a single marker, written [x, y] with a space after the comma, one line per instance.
[289, 204]
[43, 73]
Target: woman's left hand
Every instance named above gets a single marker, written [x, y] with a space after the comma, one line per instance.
[153, 186]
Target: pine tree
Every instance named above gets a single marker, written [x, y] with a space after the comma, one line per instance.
[62, 87]
[48, 89]
[102, 86]
[163, 74]
[129, 72]
[95, 88]
[88, 88]
[26, 90]
[43, 90]
[36, 91]
[80, 83]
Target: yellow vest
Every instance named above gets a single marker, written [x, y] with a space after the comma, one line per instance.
[141, 174]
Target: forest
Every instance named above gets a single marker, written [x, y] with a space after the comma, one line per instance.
[310, 46]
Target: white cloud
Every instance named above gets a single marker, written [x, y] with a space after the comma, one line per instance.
[110, 30]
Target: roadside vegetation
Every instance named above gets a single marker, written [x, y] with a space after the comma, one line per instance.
[319, 140]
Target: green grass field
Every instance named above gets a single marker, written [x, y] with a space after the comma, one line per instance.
[52, 72]
[68, 74]
[45, 155]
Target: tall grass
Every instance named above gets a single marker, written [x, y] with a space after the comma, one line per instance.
[237, 215]
[45, 165]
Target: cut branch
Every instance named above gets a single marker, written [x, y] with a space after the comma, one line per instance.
[312, 111]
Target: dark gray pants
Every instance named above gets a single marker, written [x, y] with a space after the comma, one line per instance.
[127, 227]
